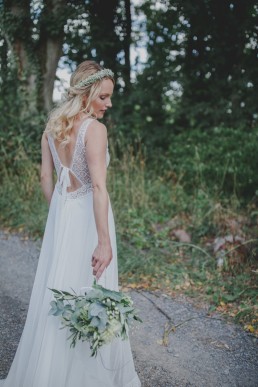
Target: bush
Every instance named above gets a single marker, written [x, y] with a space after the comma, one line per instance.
[223, 159]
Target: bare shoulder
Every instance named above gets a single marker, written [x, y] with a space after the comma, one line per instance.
[96, 132]
[44, 138]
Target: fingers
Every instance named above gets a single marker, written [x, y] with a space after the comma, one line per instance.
[100, 260]
[94, 260]
[99, 267]
[100, 270]
[96, 267]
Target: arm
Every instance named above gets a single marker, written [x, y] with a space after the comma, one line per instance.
[96, 159]
[47, 169]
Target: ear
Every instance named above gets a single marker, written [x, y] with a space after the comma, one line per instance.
[84, 100]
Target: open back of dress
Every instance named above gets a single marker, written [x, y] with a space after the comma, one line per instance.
[73, 176]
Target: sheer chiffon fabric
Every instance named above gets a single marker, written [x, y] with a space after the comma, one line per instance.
[44, 357]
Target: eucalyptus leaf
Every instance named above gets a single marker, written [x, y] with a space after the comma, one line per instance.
[58, 312]
[103, 322]
[96, 309]
[52, 311]
[95, 322]
[94, 294]
[80, 303]
[75, 316]
[60, 305]
[68, 294]
[125, 309]
[137, 318]
[55, 291]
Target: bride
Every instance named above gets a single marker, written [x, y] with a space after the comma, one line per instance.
[79, 243]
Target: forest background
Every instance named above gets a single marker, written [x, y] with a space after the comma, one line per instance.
[183, 134]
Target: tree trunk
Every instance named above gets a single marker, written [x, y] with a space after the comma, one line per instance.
[127, 44]
[4, 61]
[53, 54]
[104, 38]
[36, 58]
[49, 48]
[17, 31]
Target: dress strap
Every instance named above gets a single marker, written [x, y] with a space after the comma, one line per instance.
[54, 153]
[65, 182]
[85, 126]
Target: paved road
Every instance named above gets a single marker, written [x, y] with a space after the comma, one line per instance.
[202, 352]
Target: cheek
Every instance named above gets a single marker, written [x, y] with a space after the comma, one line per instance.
[99, 103]
[94, 105]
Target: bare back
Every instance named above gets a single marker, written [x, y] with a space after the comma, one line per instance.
[73, 176]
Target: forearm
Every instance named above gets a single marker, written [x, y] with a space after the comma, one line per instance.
[47, 185]
[100, 207]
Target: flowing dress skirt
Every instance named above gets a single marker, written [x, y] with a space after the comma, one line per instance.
[44, 357]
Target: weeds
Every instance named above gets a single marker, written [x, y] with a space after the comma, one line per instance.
[148, 208]
[21, 202]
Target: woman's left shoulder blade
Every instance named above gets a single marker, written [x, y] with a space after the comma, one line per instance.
[96, 132]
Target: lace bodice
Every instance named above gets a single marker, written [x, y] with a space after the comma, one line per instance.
[78, 168]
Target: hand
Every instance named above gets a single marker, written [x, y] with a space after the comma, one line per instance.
[101, 258]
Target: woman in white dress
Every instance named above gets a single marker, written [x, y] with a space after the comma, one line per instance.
[79, 243]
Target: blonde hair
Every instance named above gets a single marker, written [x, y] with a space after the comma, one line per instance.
[61, 119]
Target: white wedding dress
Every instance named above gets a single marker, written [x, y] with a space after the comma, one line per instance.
[44, 357]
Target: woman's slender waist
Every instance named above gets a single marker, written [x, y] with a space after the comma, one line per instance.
[76, 194]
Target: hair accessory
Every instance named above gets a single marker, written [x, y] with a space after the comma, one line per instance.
[95, 77]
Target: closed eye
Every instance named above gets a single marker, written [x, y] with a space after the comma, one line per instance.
[105, 96]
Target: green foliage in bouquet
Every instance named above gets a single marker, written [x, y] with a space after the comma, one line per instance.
[98, 316]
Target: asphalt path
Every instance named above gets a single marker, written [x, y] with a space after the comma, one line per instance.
[203, 351]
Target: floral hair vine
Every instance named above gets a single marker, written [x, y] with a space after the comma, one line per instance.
[95, 77]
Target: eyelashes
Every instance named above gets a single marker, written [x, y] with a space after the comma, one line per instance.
[104, 97]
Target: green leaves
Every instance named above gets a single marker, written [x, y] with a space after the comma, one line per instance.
[98, 316]
[94, 294]
[57, 308]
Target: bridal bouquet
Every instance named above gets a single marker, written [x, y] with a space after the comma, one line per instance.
[97, 316]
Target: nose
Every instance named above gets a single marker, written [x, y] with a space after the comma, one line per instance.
[109, 103]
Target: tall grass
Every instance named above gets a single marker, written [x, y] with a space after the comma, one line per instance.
[148, 208]
[22, 206]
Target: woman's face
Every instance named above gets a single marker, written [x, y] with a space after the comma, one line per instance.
[103, 101]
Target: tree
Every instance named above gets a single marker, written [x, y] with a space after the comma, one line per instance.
[34, 34]
[37, 34]
[104, 35]
[202, 61]
[219, 68]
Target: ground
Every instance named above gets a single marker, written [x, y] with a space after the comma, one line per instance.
[201, 350]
